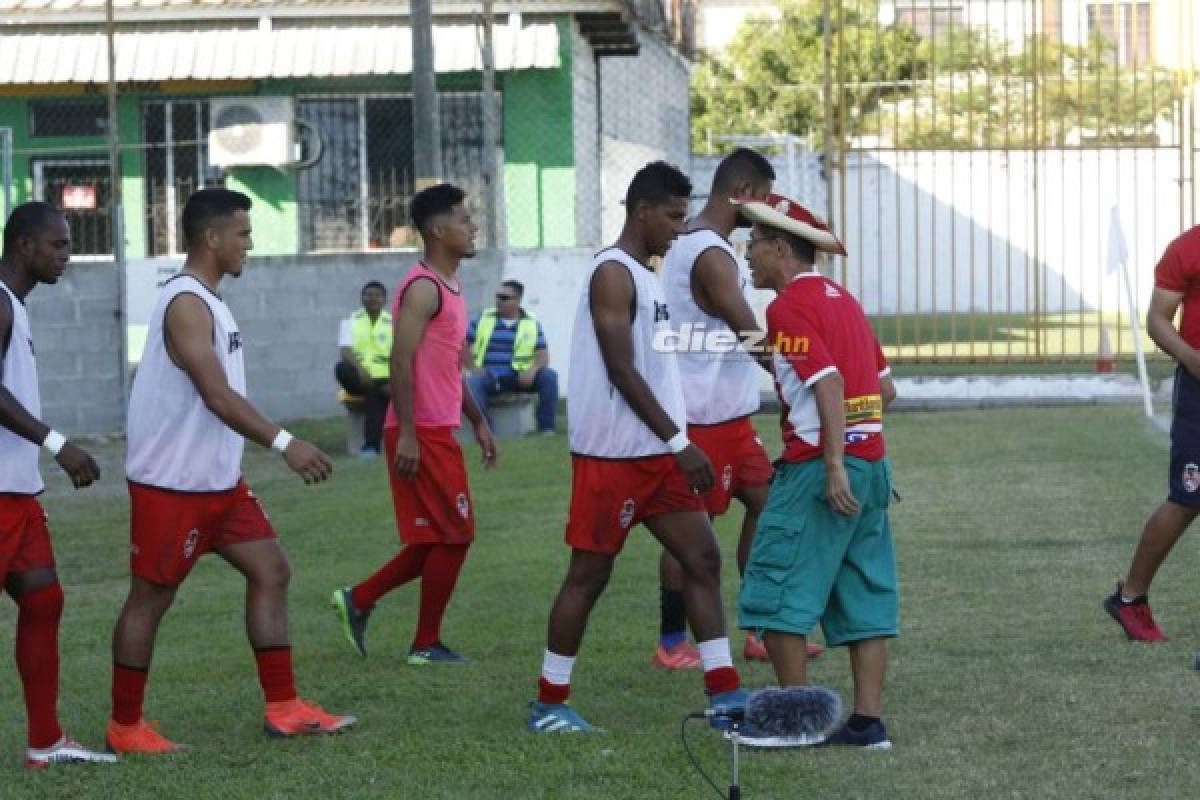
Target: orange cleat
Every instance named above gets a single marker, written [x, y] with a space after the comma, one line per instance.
[681, 656]
[140, 737]
[755, 650]
[296, 717]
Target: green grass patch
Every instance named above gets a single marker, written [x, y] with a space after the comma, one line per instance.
[1007, 681]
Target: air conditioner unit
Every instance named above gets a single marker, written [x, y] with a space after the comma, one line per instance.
[251, 131]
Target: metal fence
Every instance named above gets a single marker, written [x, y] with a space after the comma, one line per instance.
[990, 156]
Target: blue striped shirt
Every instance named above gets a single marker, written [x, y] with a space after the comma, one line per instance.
[498, 358]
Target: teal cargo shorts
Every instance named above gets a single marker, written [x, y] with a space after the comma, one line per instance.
[810, 564]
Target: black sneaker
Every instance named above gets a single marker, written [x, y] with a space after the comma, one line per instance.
[873, 737]
[354, 622]
[437, 653]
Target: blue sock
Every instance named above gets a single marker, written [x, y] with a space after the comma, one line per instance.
[669, 640]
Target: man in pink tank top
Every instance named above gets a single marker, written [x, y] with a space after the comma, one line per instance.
[434, 515]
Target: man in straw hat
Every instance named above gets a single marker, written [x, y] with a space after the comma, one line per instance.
[823, 548]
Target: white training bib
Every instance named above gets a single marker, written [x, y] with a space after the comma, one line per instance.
[599, 421]
[18, 456]
[174, 441]
[720, 380]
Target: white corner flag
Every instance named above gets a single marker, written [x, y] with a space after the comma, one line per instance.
[1118, 258]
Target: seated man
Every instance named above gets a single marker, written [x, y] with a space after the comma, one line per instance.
[507, 349]
[365, 341]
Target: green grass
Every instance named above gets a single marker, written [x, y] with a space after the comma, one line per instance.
[1008, 680]
[990, 342]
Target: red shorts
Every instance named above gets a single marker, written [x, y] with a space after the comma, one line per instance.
[170, 530]
[24, 536]
[434, 507]
[738, 458]
[610, 496]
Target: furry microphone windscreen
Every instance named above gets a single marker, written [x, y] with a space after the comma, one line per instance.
[795, 716]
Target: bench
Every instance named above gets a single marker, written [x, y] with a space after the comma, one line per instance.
[512, 414]
[355, 420]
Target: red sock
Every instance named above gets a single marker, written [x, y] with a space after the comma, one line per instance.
[128, 692]
[275, 673]
[437, 584]
[721, 680]
[552, 693]
[37, 661]
[406, 565]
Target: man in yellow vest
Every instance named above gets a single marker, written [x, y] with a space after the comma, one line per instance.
[507, 348]
[365, 342]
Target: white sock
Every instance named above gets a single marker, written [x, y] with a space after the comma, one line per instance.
[556, 669]
[715, 654]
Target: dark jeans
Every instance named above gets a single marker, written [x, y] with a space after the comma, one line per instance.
[545, 383]
[375, 402]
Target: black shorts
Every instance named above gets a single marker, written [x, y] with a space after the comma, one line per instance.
[1184, 477]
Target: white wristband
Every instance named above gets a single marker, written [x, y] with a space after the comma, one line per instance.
[678, 443]
[54, 441]
[282, 440]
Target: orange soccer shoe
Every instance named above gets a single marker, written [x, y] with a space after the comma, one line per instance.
[755, 650]
[140, 737]
[296, 717]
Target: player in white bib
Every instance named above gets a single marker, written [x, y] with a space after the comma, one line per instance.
[708, 289]
[188, 418]
[37, 246]
[631, 459]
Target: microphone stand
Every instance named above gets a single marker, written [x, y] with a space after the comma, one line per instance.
[735, 737]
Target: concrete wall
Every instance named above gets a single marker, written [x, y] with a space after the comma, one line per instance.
[76, 338]
[289, 307]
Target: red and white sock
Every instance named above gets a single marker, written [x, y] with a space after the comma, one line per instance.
[555, 684]
[717, 660]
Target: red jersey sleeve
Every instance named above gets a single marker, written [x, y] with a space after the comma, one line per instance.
[1174, 272]
[881, 362]
[795, 337]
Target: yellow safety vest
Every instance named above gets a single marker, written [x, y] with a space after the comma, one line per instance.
[524, 343]
[373, 342]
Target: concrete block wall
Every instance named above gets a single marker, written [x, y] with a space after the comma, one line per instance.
[76, 336]
[289, 309]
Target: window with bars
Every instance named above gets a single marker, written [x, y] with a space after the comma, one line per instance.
[929, 22]
[175, 133]
[356, 196]
[1127, 24]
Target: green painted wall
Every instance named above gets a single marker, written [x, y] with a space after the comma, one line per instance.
[539, 154]
[274, 215]
[539, 171]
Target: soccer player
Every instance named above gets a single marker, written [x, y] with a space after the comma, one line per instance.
[1176, 282]
[823, 549]
[37, 246]
[434, 515]
[705, 288]
[631, 459]
[188, 414]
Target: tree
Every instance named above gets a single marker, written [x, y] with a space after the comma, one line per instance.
[964, 88]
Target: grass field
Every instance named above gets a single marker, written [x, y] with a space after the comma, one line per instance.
[1008, 680]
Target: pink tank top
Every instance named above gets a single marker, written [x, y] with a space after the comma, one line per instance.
[437, 364]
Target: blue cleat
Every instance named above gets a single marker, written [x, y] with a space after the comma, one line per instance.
[354, 622]
[727, 705]
[556, 718]
[873, 737]
[436, 653]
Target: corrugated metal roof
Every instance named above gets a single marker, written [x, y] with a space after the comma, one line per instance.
[91, 11]
[240, 54]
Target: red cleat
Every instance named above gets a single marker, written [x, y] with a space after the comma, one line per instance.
[755, 650]
[140, 737]
[681, 656]
[1134, 617]
[295, 717]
